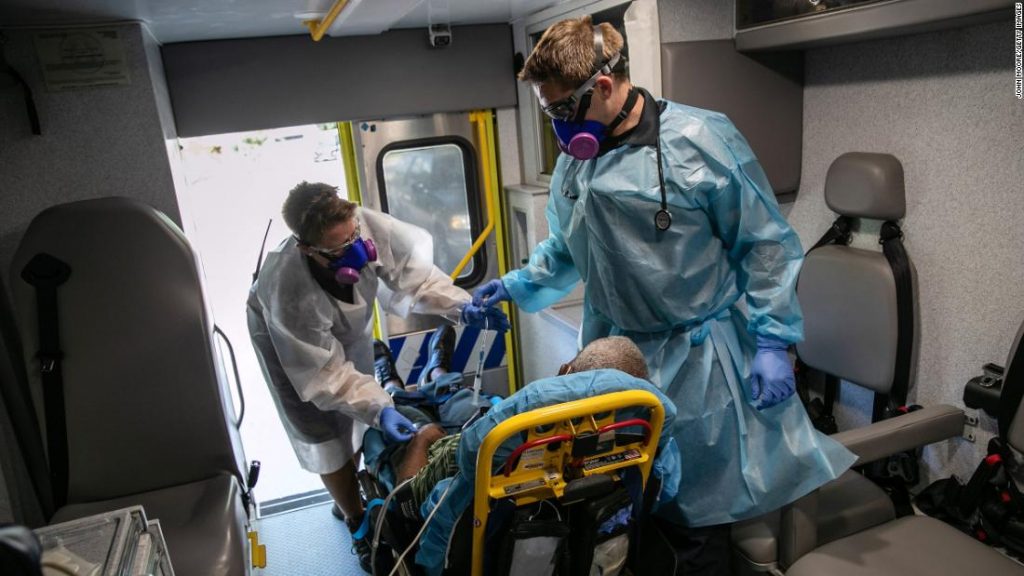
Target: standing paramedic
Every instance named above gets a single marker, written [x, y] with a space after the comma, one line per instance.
[666, 215]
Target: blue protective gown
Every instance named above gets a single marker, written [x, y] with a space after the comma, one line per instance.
[693, 298]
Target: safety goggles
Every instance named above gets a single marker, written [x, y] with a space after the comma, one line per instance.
[565, 109]
[339, 250]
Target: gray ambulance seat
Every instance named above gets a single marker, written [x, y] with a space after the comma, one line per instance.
[849, 526]
[203, 519]
[918, 545]
[149, 415]
[848, 297]
[914, 545]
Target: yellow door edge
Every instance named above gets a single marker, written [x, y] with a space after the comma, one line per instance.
[350, 163]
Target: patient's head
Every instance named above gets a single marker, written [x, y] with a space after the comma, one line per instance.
[616, 352]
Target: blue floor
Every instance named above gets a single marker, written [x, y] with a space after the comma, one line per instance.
[307, 542]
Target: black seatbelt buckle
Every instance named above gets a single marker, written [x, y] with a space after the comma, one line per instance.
[903, 466]
[48, 361]
[254, 474]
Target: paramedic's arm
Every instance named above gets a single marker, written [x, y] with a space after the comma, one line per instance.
[315, 364]
[407, 269]
[550, 275]
[763, 246]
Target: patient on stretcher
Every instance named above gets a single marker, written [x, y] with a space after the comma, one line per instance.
[431, 456]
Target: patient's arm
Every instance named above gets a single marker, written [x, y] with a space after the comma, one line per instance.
[416, 451]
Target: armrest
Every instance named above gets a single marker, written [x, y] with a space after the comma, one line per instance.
[895, 435]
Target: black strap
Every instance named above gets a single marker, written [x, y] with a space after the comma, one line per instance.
[974, 491]
[627, 107]
[900, 471]
[822, 417]
[30, 103]
[1013, 390]
[263, 246]
[827, 418]
[46, 274]
[891, 239]
[837, 233]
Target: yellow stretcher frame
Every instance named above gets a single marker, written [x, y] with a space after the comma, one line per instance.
[539, 477]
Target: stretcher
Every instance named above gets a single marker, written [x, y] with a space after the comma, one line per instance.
[577, 458]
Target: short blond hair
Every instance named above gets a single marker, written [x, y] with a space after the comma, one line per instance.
[565, 53]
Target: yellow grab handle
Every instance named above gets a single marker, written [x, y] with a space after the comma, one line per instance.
[480, 119]
[317, 28]
[259, 551]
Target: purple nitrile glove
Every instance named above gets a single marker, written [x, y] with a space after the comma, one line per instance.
[397, 428]
[772, 379]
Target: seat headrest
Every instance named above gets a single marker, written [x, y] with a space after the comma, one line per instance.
[866, 185]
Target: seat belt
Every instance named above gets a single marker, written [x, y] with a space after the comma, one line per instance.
[46, 274]
[899, 472]
[838, 233]
[821, 412]
[891, 239]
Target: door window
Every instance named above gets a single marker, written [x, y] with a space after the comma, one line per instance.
[431, 183]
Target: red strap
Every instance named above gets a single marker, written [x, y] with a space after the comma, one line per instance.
[514, 457]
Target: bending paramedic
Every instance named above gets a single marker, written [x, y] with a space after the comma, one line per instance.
[666, 215]
[310, 316]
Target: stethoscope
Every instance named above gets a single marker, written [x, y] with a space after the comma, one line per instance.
[662, 218]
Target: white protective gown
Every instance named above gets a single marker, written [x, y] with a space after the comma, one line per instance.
[317, 351]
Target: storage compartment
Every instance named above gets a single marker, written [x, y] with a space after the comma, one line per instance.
[762, 94]
[781, 24]
[750, 13]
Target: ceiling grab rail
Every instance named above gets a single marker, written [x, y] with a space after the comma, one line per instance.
[317, 28]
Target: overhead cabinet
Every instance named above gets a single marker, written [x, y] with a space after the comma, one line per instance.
[786, 24]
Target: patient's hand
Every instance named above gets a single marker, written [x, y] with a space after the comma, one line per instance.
[416, 450]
